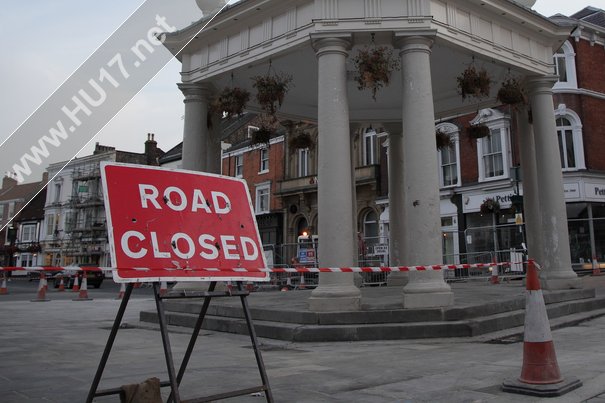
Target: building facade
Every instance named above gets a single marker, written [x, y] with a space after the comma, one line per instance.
[74, 231]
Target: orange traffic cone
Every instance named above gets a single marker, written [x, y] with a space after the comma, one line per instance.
[76, 286]
[163, 288]
[61, 284]
[301, 285]
[83, 295]
[41, 296]
[540, 375]
[3, 287]
[122, 291]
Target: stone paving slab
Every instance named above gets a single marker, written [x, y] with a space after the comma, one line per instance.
[49, 353]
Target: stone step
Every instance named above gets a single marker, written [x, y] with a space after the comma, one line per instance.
[475, 322]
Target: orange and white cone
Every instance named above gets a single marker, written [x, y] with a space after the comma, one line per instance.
[41, 296]
[43, 276]
[76, 286]
[540, 374]
[3, 287]
[302, 285]
[596, 270]
[163, 288]
[122, 291]
[83, 295]
[61, 284]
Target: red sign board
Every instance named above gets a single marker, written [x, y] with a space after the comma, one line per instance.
[174, 225]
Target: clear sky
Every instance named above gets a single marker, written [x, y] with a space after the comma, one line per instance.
[48, 40]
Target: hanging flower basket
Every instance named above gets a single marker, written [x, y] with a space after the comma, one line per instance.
[473, 83]
[271, 90]
[262, 135]
[443, 139]
[489, 205]
[477, 131]
[511, 92]
[374, 66]
[34, 248]
[231, 101]
[301, 141]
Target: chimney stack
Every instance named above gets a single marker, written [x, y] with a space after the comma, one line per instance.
[151, 150]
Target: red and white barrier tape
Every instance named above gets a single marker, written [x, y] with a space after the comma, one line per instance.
[274, 270]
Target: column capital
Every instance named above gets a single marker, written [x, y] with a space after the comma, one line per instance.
[414, 42]
[195, 92]
[331, 43]
[541, 84]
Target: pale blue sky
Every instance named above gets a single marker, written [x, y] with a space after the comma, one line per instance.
[48, 40]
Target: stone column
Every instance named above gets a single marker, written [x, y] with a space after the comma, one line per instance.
[195, 133]
[557, 272]
[531, 204]
[419, 229]
[336, 291]
[196, 137]
[396, 195]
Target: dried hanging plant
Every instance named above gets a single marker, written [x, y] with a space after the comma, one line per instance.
[474, 83]
[511, 92]
[489, 205]
[271, 90]
[477, 131]
[231, 101]
[443, 139]
[374, 66]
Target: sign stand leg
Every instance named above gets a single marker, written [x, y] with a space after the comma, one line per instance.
[166, 343]
[175, 379]
[194, 335]
[255, 346]
[112, 336]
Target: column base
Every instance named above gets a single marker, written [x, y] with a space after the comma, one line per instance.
[335, 299]
[427, 290]
[560, 283]
[397, 279]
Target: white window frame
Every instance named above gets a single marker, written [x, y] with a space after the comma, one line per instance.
[239, 165]
[264, 162]
[52, 224]
[262, 190]
[370, 136]
[302, 166]
[57, 190]
[499, 125]
[578, 141]
[567, 52]
[2, 206]
[30, 230]
[454, 132]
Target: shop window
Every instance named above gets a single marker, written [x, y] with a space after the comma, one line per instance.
[569, 135]
[565, 67]
[449, 172]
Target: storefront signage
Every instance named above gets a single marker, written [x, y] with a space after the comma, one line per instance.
[594, 191]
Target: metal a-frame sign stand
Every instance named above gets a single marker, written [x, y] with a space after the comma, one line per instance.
[174, 379]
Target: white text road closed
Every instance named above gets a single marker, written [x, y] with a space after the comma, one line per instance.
[176, 225]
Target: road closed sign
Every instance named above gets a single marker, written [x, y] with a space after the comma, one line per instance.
[174, 225]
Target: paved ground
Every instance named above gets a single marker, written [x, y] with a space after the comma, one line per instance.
[49, 352]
